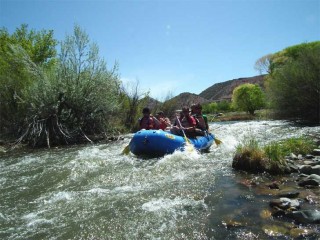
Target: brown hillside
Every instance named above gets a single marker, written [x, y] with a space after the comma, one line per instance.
[223, 91]
[217, 92]
[187, 99]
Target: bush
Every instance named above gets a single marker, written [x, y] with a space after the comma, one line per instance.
[252, 158]
[293, 83]
[78, 98]
[276, 158]
[301, 145]
[274, 152]
[249, 157]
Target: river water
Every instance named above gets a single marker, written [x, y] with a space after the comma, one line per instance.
[95, 192]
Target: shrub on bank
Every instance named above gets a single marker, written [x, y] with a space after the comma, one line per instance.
[301, 145]
[77, 98]
[249, 157]
[293, 83]
[253, 158]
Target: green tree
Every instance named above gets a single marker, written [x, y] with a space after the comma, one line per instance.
[248, 97]
[77, 99]
[293, 84]
[210, 107]
[20, 53]
[39, 45]
[224, 106]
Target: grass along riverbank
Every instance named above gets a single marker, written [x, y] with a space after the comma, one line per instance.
[294, 166]
[264, 114]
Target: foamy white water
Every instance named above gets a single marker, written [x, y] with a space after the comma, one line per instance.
[94, 192]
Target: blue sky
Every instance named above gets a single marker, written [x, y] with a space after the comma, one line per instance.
[177, 46]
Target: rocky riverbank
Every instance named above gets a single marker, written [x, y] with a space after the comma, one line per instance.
[302, 204]
[293, 198]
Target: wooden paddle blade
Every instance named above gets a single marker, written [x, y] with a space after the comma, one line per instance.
[126, 150]
[217, 141]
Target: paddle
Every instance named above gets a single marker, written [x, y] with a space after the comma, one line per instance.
[184, 135]
[217, 141]
[126, 150]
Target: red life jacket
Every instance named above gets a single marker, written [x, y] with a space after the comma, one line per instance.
[188, 121]
[163, 123]
[148, 123]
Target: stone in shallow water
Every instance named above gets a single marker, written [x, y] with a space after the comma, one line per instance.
[275, 230]
[309, 156]
[285, 203]
[230, 223]
[265, 214]
[300, 232]
[286, 194]
[313, 180]
[316, 152]
[305, 216]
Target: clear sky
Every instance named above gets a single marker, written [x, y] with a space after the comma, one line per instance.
[175, 46]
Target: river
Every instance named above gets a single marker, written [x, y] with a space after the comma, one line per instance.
[95, 192]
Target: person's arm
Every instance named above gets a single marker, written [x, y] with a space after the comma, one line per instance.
[156, 123]
[167, 121]
[139, 123]
[206, 122]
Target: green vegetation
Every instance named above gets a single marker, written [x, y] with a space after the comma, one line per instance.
[214, 107]
[301, 145]
[293, 84]
[64, 103]
[51, 99]
[252, 157]
[274, 152]
[249, 157]
[248, 97]
[40, 46]
[22, 54]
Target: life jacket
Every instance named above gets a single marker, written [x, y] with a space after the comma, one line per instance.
[201, 123]
[148, 123]
[188, 122]
[163, 123]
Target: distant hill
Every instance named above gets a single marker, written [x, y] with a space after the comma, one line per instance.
[187, 99]
[223, 91]
[215, 93]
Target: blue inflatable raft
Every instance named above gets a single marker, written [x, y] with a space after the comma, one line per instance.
[159, 143]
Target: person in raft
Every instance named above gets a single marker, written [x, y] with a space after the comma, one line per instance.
[148, 121]
[201, 119]
[188, 124]
[164, 121]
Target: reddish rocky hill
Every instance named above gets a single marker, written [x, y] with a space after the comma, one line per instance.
[223, 91]
[217, 92]
[187, 99]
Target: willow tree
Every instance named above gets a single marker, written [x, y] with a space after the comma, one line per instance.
[75, 100]
[248, 97]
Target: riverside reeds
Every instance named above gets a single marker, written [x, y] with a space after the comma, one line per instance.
[252, 157]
